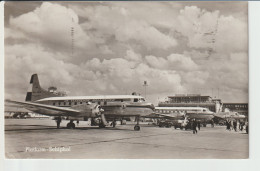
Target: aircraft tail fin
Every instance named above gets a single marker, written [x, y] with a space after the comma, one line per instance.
[35, 92]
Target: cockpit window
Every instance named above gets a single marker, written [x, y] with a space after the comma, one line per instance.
[135, 100]
[141, 100]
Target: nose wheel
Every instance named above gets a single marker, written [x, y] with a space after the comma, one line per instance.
[137, 128]
[71, 125]
[114, 124]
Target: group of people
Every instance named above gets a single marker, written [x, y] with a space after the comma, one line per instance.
[230, 125]
[236, 125]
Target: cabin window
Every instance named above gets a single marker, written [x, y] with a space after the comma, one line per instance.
[99, 102]
[54, 104]
[135, 100]
[75, 103]
[64, 103]
[70, 103]
[105, 103]
[59, 103]
[80, 102]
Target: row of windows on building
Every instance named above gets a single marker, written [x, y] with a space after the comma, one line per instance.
[244, 106]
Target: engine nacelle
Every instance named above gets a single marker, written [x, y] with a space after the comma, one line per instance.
[89, 110]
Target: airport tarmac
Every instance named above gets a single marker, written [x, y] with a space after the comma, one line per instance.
[39, 138]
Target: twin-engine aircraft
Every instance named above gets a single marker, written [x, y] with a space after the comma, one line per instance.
[229, 116]
[183, 114]
[113, 107]
[204, 115]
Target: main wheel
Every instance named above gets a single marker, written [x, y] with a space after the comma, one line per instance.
[102, 126]
[114, 124]
[69, 125]
[137, 128]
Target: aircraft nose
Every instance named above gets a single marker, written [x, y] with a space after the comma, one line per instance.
[152, 106]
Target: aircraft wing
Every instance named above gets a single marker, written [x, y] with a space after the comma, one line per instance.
[221, 116]
[44, 109]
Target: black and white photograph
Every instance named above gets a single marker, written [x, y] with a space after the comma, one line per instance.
[126, 80]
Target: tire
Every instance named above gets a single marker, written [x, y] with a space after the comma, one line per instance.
[113, 124]
[102, 126]
[137, 128]
[69, 125]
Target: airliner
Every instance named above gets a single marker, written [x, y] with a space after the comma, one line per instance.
[105, 107]
[204, 115]
[183, 114]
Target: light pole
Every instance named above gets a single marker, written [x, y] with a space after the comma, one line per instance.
[145, 85]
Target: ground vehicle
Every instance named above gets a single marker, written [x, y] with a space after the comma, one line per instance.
[165, 123]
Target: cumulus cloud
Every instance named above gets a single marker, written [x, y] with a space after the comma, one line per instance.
[206, 29]
[177, 62]
[174, 46]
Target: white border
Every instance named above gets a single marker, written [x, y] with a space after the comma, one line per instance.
[2, 151]
[238, 165]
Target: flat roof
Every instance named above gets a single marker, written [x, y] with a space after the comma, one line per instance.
[187, 96]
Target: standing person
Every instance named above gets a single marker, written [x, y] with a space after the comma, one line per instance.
[241, 125]
[231, 125]
[235, 125]
[227, 125]
[194, 126]
[58, 122]
[199, 125]
[247, 127]
[212, 123]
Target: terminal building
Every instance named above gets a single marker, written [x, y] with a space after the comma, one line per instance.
[197, 100]
[192, 100]
[241, 108]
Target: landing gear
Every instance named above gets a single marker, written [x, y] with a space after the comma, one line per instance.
[71, 125]
[101, 125]
[137, 127]
[114, 123]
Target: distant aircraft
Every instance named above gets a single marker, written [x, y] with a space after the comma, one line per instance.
[180, 116]
[229, 115]
[105, 107]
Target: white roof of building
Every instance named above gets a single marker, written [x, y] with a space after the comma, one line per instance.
[184, 108]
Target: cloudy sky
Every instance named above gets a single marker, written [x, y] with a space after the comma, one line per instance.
[177, 47]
